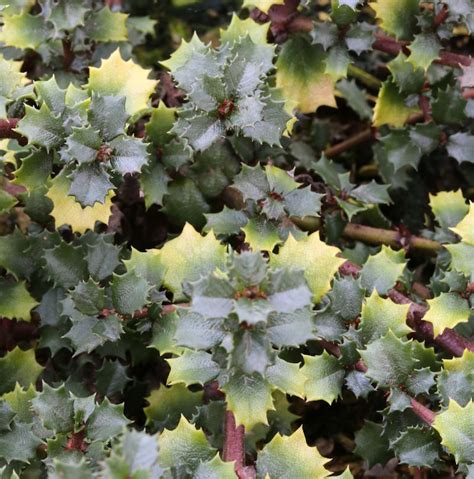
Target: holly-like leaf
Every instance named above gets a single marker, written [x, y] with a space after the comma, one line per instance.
[18, 366]
[107, 26]
[382, 270]
[42, 127]
[67, 211]
[261, 234]
[372, 193]
[446, 311]
[317, 259]
[106, 422]
[456, 379]
[129, 292]
[408, 78]
[15, 300]
[167, 404]
[24, 30]
[192, 367]
[64, 14]
[184, 447]
[54, 407]
[215, 469]
[249, 397]
[389, 360]
[122, 78]
[290, 456]
[449, 207]
[380, 315]
[460, 146]
[227, 222]
[287, 377]
[390, 108]
[372, 445]
[424, 50]
[188, 256]
[324, 377]
[65, 265]
[398, 17]
[19, 444]
[462, 257]
[301, 76]
[239, 28]
[263, 5]
[455, 425]
[449, 107]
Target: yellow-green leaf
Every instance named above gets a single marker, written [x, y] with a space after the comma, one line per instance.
[449, 207]
[398, 17]
[23, 31]
[189, 256]
[301, 76]
[67, 211]
[118, 77]
[262, 5]
[15, 300]
[290, 457]
[18, 366]
[390, 108]
[318, 260]
[456, 428]
[446, 311]
[465, 229]
[240, 28]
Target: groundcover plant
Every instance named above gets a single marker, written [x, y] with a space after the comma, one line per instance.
[236, 239]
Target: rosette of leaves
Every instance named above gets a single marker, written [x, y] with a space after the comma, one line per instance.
[238, 320]
[346, 195]
[69, 34]
[85, 134]
[272, 199]
[227, 91]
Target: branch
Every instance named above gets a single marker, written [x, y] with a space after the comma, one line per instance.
[351, 142]
[391, 238]
[234, 447]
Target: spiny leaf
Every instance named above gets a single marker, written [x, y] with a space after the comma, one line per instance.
[188, 256]
[15, 300]
[287, 377]
[106, 421]
[424, 50]
[107, 26]
[262, 5]
[449, 207]
[290, 456]
[19, 444]
[314, 257]
[24, 30]
[122, 78]
[215, 469]
[67, 211]
[192, 367]
[18, 366]
[398, 17]
[129, 292]
[302, 78]
[446, 311]
[455, 425]
[324, 377]
[465, 227]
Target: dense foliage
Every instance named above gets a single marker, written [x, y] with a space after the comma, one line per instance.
[236, 239]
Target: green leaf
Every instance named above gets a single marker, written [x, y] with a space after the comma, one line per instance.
[18, 444]
[64, 14]
[167, 404]
[54, 407]
[215, 469]
[460, 146]
[448, 107]
[290, 456]
[129, 292]
[337, 62]
[455, 425]
[382, 270]
[15, 300]
[34, 170]
[324, 377]
[263, 5]
[261, 234]
[18, 366]
[154, 183]
[146, 265]
[90, 185]
[102, 258]
[287, 377]
[227, 222]
[389, 360]
[160, 123]
[122, 78]
[372, 445]
[108, 115]
[424, 49]
[291, 329]
[184, 447]
[189, 256]
[192, 367]
[107, 26]
[372, 193]
[240, 28]
[462, 258]
[111, 378]
[456, 379]
[65, 265]
[129, 155]
[398, 17]
[380, 315]
[249, 397]
[7, 201]
[449, 207]
[301, 74]
[24, 31]
[106, 422]
[446, 311]
[42, 127]
[317, 259]
[391, 108]
[356, 98]
[407, 76]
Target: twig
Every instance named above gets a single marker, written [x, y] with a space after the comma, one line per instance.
[351, 142]
[391, 238]
[366, 78]
[234, 447]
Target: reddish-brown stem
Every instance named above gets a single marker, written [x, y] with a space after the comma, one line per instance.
[234, 447]
[441, 16]
[425, 108]
[68, 54]
[113, 3]
[427, 415]
[7, 128]
[351, 142]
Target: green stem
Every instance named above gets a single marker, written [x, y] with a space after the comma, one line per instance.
[367, 79]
